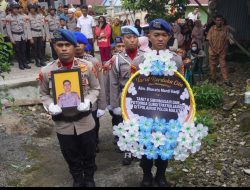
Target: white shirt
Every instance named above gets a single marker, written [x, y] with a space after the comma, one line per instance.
[86, 24]
[193, 16]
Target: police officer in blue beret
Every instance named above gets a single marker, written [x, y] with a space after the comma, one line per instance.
[123, 67]
[160, 32]
[75, 127]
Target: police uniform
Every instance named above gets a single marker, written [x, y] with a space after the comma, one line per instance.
[71, 99]
[101, 101]
[51, 24]
[75, 133]
[120, 73]
[161, 165]
[36, 24]
[17, 30]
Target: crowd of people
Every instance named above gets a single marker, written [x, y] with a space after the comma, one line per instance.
[72, 32]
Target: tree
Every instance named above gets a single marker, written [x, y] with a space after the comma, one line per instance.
[169, 10]
[6, 50]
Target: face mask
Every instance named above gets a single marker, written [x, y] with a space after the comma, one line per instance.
[194, 48]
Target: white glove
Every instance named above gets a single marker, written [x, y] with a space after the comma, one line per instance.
[54, 109]
[109, 107]
[117, 111]
[100, 113]
[84, 106]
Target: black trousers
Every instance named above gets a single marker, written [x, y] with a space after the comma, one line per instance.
[38, 48]
[97, 125]
[54, 54]
[147, 165]
[20, 51]
[91, 42]
[79, 153]
[28, 48]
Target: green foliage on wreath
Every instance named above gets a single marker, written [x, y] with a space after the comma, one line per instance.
[6, 50]
[166, 9]
[208, 95]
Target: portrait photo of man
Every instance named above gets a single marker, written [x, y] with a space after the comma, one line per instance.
[68, 98]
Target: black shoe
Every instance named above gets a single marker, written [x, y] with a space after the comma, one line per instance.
[89, 183]
[161, 181]
[42, 63]
[78, 181]
[38, 63]
[97, 150]
[27, 67]
[31, 61]
[228, 83]
[127, 160]
[21, 67]
[147, 181]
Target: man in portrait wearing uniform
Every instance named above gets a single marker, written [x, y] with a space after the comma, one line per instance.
[75, 130]
[120, 73]
[160, 32]
[98, 109]
[36, 22]
[68, 98]
[51, 24]
[18, 32]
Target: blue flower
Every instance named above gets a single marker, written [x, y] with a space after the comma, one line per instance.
[171, 139]
[160, 125]
[157, 68]
[146, 124]
[151, 152]
[165, 152]
[174, 126]
[145, 138]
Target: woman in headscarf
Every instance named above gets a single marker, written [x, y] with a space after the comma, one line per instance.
[198, 34]
[138, 26]
[178, 35]
[144, 44]
[103, 35]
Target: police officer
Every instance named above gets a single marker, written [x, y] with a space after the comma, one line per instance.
[72, 21]
[121, 71]
[51, 24]
[160, 32]
[36, 22]
[98, 109]
[18, 32]
[75, 128]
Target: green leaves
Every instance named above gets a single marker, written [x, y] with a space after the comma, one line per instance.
[6, 50]
[166, 9]
[208, 96]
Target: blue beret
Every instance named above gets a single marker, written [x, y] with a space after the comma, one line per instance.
[64, 35]
[81, 38]
[88, 47]
[129, 30]
[160, 24]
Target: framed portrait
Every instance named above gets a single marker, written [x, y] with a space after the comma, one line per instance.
[67, 88]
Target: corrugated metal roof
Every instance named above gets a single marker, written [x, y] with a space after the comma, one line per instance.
[237, 15]
[94, 2]
[203, 2]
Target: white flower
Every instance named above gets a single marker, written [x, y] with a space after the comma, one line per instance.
[129, 105]
[195, 145]
[184, 140]
[132, 115]
[124, 144]
[170, 68]
[132, 136]
[145, 68]
[158, 139]
[185, 94]
[180, 153]
[132, 90]
[131, 125]
[182, 116]
[189, 128]
[137, 150]
[201, 131]
[119, 130]
[166, 55]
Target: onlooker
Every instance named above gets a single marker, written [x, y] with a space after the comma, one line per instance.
[187, 31]
[126, 22]
[195, 15]
[91, 11]
[72, 21]
[218, 44]
[178, 35]
[144, 44]
[138, 26]
[172, 44]
[116, 28]
[198, 34]
[86, 25]
[63, 23]
[103, 35]
[65, 13]
[78, 12]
